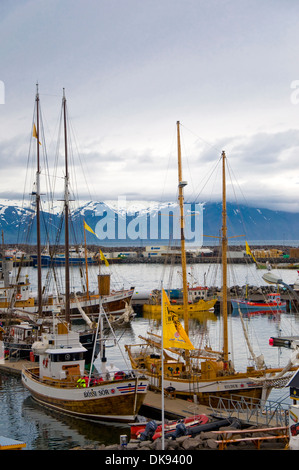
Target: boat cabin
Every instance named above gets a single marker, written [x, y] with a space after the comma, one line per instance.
[172, 368]
[61, 355]
[22, 332]
[274, 297]
[197, 293]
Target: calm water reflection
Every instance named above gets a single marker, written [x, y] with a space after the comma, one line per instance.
[25, 420]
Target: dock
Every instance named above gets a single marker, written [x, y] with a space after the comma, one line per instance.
[174, 408]
[15, 367]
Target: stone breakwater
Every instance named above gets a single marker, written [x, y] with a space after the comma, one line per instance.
[202, 441]
[238, 291]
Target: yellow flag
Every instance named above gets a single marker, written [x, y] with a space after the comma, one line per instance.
[248, 251]
[34, 133]
[103, 258]
[174, 335]
[88, 228]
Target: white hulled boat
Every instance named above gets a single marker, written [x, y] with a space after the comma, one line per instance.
[61, 382]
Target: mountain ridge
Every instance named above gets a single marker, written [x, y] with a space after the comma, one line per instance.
[18, 224]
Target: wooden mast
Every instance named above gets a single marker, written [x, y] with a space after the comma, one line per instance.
[181, 185]
[37, 198]
[66, 217]
[224, 265]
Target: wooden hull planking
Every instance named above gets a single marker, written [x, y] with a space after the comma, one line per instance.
[200, 306]
[114, 401]
[114, 305]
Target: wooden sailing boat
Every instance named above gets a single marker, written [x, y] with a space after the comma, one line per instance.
[19, 338]
[60, 381]
[204, 373]
[17, 294]
[195, 305]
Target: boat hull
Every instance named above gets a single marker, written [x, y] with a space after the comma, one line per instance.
[47, 260]
[208, 392]
[113, 401]
[200, 306]
[258, 306]
[114, 304]
[206, 384]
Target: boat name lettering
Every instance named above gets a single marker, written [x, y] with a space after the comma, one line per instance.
[231, 386]
[94, 393]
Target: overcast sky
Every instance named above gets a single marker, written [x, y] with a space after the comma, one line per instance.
[226, 69]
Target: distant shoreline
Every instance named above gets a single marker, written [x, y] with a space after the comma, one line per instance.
[286, 256]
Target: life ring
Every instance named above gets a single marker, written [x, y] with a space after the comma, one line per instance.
[45, 362]
[19, 296]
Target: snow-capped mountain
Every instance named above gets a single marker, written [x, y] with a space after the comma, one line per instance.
[141, 223]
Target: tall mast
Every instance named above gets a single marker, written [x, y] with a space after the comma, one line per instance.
[66, 217]
[37, 197]
[181, 185]
[86, 264]
[224, 265]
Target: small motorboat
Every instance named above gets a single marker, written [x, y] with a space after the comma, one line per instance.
[272, 305]
[170, 427]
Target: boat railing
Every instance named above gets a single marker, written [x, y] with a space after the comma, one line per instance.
[253, 411]
[86, 381]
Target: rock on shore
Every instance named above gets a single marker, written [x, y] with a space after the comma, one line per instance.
[202, 441]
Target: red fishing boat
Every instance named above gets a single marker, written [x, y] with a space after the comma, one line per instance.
[138, 428]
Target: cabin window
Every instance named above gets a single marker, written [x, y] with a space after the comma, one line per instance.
[78, 356]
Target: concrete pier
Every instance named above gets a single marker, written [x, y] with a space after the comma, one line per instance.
[15, 367]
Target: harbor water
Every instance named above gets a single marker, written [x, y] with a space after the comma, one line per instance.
[24, 420]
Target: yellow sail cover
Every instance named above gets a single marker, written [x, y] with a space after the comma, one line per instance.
[174, 335]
